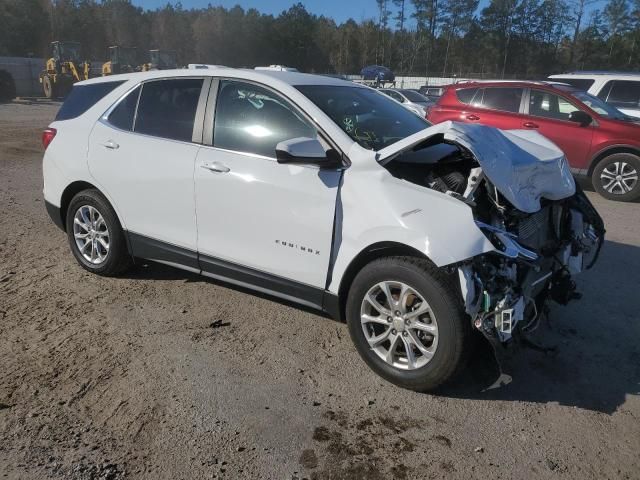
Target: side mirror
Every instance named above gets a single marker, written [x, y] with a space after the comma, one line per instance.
[580, 117]
[306, 151]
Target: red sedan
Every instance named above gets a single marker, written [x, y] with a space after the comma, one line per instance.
[599, 141]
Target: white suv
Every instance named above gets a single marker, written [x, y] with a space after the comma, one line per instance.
[328, 194]
[622, 90]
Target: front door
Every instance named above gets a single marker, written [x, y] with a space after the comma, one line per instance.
[548, 114]
[259, 221]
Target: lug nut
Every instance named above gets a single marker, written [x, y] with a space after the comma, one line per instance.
[389, 319]
[404, 334]
[393, 330]
[398, 313]
[407, 321]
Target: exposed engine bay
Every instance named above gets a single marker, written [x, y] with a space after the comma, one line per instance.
[543, 227]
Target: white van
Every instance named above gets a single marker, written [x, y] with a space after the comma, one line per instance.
[620, 89]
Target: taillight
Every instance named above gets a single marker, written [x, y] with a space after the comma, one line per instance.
[48, 135]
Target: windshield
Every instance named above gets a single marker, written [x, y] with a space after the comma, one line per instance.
[370, 118]
[597, 105]
[414, 96]
[70, 52]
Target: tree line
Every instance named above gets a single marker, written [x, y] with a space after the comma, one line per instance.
[525, 38]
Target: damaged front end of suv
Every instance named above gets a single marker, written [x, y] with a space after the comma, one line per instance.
[543, 228]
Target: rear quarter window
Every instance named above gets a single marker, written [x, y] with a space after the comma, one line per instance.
[465, 95]
[83, 97]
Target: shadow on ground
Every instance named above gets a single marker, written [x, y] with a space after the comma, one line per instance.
[596, 363]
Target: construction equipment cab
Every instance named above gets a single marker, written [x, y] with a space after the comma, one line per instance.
[161, 60]
[121, 60]
[63, 69]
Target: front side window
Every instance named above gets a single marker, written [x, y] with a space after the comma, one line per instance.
[414, 96]
[83, 97]
[252, 119]
[371, 119]
[505, 99]
[549, 105]
[624, 94]
[599, 106]
[122, 116]
[167, 108]
[395, 95]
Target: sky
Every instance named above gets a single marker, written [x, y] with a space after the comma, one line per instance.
[340, 10]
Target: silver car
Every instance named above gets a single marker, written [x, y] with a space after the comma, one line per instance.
[410, 99]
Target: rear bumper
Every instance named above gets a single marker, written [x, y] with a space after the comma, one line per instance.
[54, 214]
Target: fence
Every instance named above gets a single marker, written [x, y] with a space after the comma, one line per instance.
[25, 72]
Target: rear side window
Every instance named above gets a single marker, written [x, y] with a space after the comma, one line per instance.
[167, 108]
[623, 93]
[122, 116]
[579, 83]
[252, 119]
[504, 99]
[465, 95]
[83, 97]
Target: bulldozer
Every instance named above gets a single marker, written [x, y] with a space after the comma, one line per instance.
[160, 60]
[121, 60]
[63, 69]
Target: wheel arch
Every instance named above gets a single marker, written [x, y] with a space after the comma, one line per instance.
[612, 150]
[363, 258]
[69, 192]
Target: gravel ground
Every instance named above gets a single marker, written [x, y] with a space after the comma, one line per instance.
[163, 374]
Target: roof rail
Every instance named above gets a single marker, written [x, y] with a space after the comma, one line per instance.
[599, 72]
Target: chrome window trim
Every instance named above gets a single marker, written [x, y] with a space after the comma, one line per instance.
[104, 119]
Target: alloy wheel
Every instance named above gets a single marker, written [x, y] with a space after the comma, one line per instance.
[619, 178]
[91, 234]
[399, 325]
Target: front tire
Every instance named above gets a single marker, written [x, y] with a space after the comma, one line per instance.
[48, 87]
[616, 177]
[406, 320]
[95, 235]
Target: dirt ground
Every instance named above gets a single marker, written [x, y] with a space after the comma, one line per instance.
[162, 374]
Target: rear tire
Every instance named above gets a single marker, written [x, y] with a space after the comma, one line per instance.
[616, 177]
[438, 339]
[95, 235]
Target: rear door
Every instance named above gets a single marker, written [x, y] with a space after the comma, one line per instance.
[548, 113]
[142, 154]
[498, 107]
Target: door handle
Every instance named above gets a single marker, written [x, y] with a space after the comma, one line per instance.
[111, 145]
[215, 167]
[473, 117]
[530, 125]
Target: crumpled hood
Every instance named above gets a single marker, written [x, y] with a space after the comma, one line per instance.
[522, 164]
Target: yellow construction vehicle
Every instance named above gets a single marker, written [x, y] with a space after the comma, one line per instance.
[63, 69]
[160, 60]
[121, 60]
